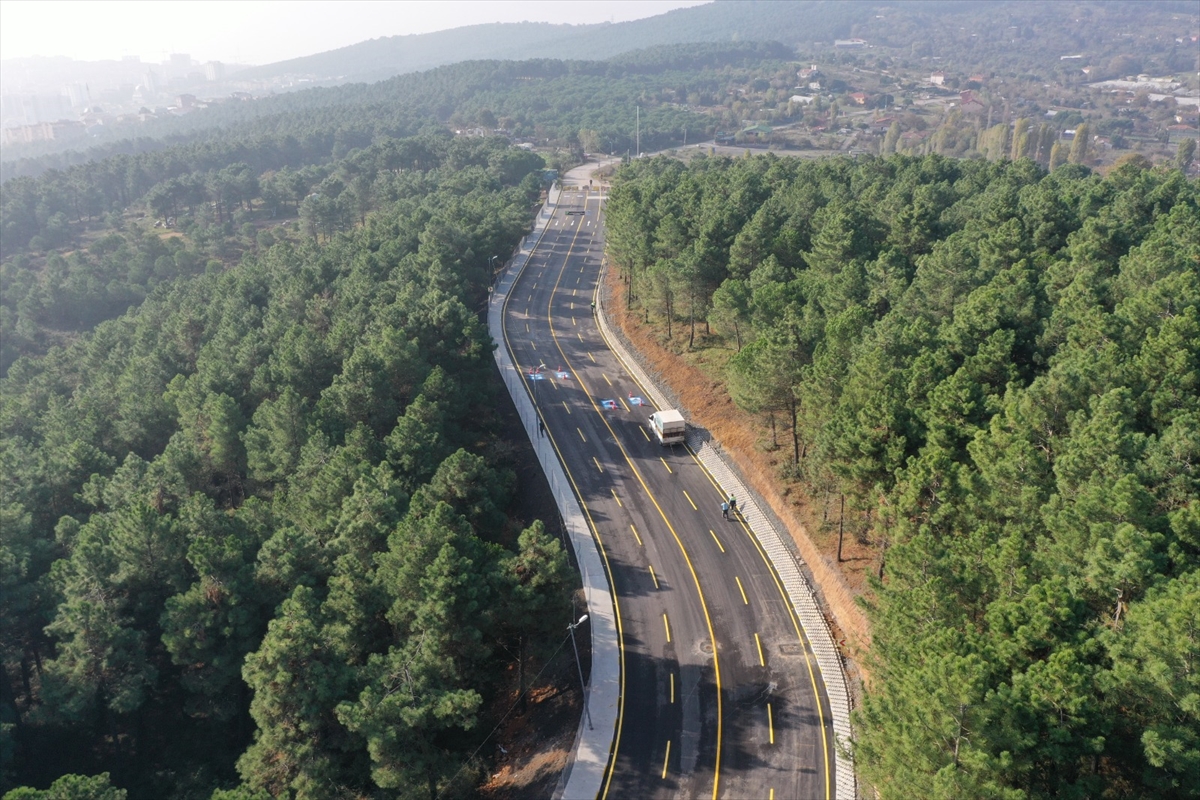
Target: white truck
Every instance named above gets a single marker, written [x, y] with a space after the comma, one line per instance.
[668, 427]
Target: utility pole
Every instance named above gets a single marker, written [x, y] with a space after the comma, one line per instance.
[637, 136]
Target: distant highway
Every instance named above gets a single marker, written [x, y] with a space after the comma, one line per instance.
[721, 696]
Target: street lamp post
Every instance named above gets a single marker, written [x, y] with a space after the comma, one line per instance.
[579, 666]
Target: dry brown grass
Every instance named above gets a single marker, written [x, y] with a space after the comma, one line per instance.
[694, 377]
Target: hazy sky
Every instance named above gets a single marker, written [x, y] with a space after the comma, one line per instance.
[258, 32]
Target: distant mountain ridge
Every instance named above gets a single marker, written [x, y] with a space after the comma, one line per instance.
[791, 23]
[797, 24]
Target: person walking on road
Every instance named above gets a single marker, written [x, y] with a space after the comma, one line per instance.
[733, 504]
[725, 509]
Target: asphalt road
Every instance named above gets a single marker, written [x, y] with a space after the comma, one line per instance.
[721, 697]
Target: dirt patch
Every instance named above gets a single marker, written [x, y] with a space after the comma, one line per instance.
[694, 378]
[531, 748]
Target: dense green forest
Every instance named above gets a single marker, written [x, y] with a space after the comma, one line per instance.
[214, 217]
[999, 367]
[257, 530]
[48, 202]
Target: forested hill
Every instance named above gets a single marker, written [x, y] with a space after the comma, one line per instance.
[257, 529]
[999, 369]
[746, 20]
[971, 35]
[544, 98]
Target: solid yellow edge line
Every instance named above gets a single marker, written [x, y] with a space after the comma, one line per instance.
[795, 624]
[675, 534]
[712, 637]
[610, 767]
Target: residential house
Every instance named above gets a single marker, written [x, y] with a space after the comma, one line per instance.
[970, 103]
[938, 79]
[859, 98]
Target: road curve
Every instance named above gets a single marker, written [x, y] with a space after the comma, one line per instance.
[721, 695]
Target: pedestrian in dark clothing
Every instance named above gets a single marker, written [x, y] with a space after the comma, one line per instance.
[541, 428]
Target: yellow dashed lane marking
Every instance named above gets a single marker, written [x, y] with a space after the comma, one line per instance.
[715, 539]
